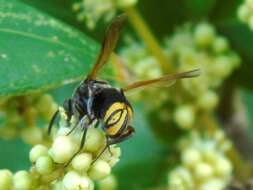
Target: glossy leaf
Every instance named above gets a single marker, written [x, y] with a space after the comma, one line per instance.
[38, 52]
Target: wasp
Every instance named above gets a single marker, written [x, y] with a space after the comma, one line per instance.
[99, 102]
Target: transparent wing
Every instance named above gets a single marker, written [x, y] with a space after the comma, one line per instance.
[109, 43]
[169, 79]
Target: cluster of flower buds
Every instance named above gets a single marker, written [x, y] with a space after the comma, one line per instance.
[198, 47]
[21, 115]
[204, 165]
[93, 10]
[58, 167]
[245, 13]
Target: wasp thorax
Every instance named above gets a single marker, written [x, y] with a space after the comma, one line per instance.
[117, 118]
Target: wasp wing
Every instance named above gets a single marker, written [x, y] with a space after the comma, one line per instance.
[167, 78]
[109, 43]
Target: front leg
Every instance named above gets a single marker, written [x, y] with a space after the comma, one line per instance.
[84, 127]
[125, 135]
[110, 140]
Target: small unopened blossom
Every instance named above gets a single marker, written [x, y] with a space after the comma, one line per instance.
[21, 114]
[245, 13]
[91, 11]
[108, 183]
[204, 164]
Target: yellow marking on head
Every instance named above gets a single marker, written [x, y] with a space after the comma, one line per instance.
[113, 129]
[115, 120]
[112, 108]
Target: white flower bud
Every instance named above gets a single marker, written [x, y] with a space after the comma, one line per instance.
[22, 180]
[44, 165]
[32, 135]
[213, 184]
[6, 180]
[203, 171]
[37, 151]
[82, 162]
[244, 13]
[108, 183]
[94, 140]
[223, 167]
[86, 183]
[99, 170]
[220, 45]
[222, 66]
[180, 178]
[63, 149]
[111, 157]
[184, 116]
[71, 181]
[204, 34]
[208, 100]
[191, 157]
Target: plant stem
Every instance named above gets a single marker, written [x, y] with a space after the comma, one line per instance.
[145, 33]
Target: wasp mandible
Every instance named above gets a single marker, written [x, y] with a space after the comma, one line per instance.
[99, 102]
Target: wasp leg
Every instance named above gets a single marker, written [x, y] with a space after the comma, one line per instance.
[110, 141]
[52, 122]
[85, 128]
[68, 107]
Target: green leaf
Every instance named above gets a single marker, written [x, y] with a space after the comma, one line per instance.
[60, 9]
[38, 52]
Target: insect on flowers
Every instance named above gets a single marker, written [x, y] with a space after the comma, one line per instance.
[99, 102]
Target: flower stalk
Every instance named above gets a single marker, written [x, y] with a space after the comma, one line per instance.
[145, 33]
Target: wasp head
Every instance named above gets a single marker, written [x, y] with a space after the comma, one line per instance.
[117, 118]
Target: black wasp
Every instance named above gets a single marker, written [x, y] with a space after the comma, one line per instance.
[98, 101]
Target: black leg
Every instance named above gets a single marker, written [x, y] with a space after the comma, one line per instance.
[110, 141]
[52, 122]
[68, 107]
[80, 147]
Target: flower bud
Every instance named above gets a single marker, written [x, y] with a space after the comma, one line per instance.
[99, 170]
[44, 165]
[204, 34]
[37, 151]
[63, 149]
[223, 167]
[6, 180]
[184, 116]
[203, 171]
[71, 181]
[208, 100]
[32, 135]
[108, 183]
[244, 13]
[220, 45]
[82, 162]
[22, 181]
[191, 157]
[94, 140]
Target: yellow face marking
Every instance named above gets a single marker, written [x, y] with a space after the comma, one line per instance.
[114, 128]
[112, 108]
[115, 117]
